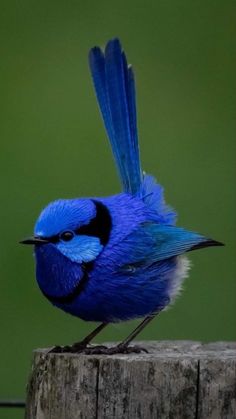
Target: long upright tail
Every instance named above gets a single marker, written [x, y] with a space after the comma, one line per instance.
[115, 89]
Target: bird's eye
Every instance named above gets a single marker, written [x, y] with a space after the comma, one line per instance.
[66, 236]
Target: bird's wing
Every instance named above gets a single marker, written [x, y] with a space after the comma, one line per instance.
[115, 89]
[152, 243]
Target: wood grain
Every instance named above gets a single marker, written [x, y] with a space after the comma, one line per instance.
[175, 380]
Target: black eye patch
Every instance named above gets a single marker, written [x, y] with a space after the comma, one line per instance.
[100, 225]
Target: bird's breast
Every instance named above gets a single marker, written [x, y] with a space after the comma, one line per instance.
[57, 276]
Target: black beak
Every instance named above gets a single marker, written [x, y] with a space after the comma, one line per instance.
[34, 240]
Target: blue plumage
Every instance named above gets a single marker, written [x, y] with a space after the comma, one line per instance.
[119, 257]
[115, 89]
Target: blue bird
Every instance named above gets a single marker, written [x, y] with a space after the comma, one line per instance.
[120, 257]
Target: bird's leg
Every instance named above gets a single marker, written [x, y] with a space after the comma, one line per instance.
[123, 347]
[136, 331]
[83, 343]
[80, 346]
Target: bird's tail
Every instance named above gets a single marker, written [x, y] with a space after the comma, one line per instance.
[115, 89]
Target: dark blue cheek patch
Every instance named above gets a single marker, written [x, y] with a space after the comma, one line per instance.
[81, 248]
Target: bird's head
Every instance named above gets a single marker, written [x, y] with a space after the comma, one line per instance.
[77, 228]
[68, 235]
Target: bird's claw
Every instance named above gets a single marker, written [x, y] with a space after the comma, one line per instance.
[98, 349]
[119, 349]
[125, 349]
[75, 348]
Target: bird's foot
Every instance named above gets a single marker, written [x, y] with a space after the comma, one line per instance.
[80, 347]
[119, 349]
[75, 348]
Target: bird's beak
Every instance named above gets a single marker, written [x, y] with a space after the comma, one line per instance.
[34, 240]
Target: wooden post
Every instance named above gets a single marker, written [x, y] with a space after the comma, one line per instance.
[175, 380]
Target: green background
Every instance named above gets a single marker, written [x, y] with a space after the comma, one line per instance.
[53, 145]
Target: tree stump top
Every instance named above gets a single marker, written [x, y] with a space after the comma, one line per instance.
[176, 380]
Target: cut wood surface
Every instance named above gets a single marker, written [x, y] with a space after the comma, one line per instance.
[175, 380]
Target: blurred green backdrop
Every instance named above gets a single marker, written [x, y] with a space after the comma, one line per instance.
[53, 145]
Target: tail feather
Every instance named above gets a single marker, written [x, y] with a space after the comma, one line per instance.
[115, 89]
[97, 66]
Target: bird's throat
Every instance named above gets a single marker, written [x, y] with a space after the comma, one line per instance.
[60, 279]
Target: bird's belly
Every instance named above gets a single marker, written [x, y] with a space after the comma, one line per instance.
[123, 296]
